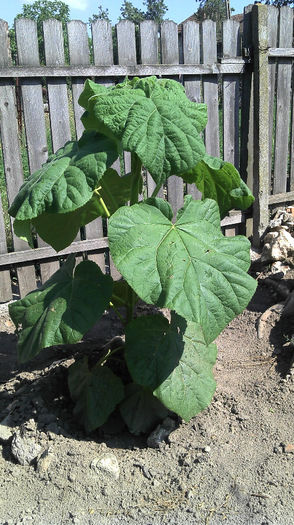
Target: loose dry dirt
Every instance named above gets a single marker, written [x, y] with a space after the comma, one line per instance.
[231, 464]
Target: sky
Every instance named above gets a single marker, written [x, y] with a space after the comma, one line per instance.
[83, 9]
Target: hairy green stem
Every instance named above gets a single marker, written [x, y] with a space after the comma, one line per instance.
[108, 355]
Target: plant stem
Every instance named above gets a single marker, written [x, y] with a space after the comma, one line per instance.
[108, 354]
[156, 189]
[117, 313]
[136, 170]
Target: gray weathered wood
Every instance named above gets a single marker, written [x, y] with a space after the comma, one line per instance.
[12, 155]
[281, 52]
[261, 119]
[292, 147]
[149, 42]
[46, 252]
[191, 55]
[279, 198]
[123, 71]
[284, 74]
[231, 90]
[102, 43]
[33, 106]
[57, 88]
[126, 43]
[246, 139]
[273, 14]
[170, 55]
[210, 88]
[5, 284]
[79, 55]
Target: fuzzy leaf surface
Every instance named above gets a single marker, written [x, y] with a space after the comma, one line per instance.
[63, 309]
[189, 266]
[220, 181]
[173, 360]
[154, 119]
[140, 410]
[66, 182]
[96, 393]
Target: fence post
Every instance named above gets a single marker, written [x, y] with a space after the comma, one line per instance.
[261, 168]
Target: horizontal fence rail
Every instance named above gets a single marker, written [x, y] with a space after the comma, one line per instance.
[39, 112]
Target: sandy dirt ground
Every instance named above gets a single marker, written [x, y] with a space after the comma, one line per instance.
[232, 464]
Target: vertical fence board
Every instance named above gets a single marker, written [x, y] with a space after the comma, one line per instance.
[231, 88]
[210, 88]
[246, 152]
[149, 55]
[292, 146]
[78, 56]
[170, 55]
[5, 284]
[57, 88]
[12, 156]
[261, 119]
[273, 15]
[32, 96]
[283, 102]
[191, 55]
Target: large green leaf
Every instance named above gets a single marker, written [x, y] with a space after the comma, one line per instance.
[96, 393]
[116, 190]
[173, 360]
[141, 410]
[66, 182]
[152, 118]
[63, 309]
[220, 181]
[189, 266]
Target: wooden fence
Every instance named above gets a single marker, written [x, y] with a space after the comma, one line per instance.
[250, 116]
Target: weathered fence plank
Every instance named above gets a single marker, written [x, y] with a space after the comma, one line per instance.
[57, 88]
[33, 107]
[261, 119]
[79, 55]
[170, 55]
[12, 155]
[292, 146]
[5, 284]
[210, 88]
[283, 103]
[273, 15]
[231, 91]
[246, 142]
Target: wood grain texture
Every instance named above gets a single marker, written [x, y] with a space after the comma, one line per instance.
[284, 73]
[12, 156]
[170, 55]
[33, 106]
[273, 15]
[126, 43]
[210, 89]
[231, 94]
[149, 42]
[79, 55]
[5, 284]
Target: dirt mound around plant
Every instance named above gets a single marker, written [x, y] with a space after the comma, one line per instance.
[233, 463]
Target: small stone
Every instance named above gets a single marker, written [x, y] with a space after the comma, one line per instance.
[289, 448]
[71, 477]
[106, 463]
[207, 449]
[43, 462]
[6, 431]
[24, 446]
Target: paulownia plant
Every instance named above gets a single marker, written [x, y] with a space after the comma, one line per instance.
[184, 264]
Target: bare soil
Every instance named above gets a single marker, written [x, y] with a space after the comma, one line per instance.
[231, 464]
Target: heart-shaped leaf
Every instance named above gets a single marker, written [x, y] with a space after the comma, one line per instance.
[220, 181]
[189, 266]
[173, 360]
[63, 309]
[96, 393]
[154, 119]
[66, 182]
